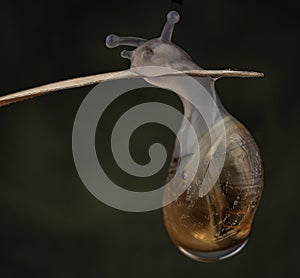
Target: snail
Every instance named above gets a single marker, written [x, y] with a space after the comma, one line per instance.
[211, 220]
[206, 225]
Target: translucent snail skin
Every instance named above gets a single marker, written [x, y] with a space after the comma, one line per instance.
[214, 225]
[206, 223]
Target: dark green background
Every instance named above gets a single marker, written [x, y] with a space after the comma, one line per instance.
[51, 226]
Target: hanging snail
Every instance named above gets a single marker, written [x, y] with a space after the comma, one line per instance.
[209, 221]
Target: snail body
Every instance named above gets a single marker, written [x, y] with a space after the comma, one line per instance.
[213, 221]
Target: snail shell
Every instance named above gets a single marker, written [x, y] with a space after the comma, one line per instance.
[217, 225]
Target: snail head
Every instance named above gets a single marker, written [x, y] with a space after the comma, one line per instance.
[159, 51]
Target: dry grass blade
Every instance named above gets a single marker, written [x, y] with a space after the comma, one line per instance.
[98, 78]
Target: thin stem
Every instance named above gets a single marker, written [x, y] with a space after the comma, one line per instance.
[98, 78]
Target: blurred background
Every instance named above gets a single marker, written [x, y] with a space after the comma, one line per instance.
[51, 226]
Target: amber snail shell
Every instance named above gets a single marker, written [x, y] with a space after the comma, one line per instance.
[217, 225]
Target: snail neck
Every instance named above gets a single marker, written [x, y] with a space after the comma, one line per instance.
[201, 106]
[201, 116]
